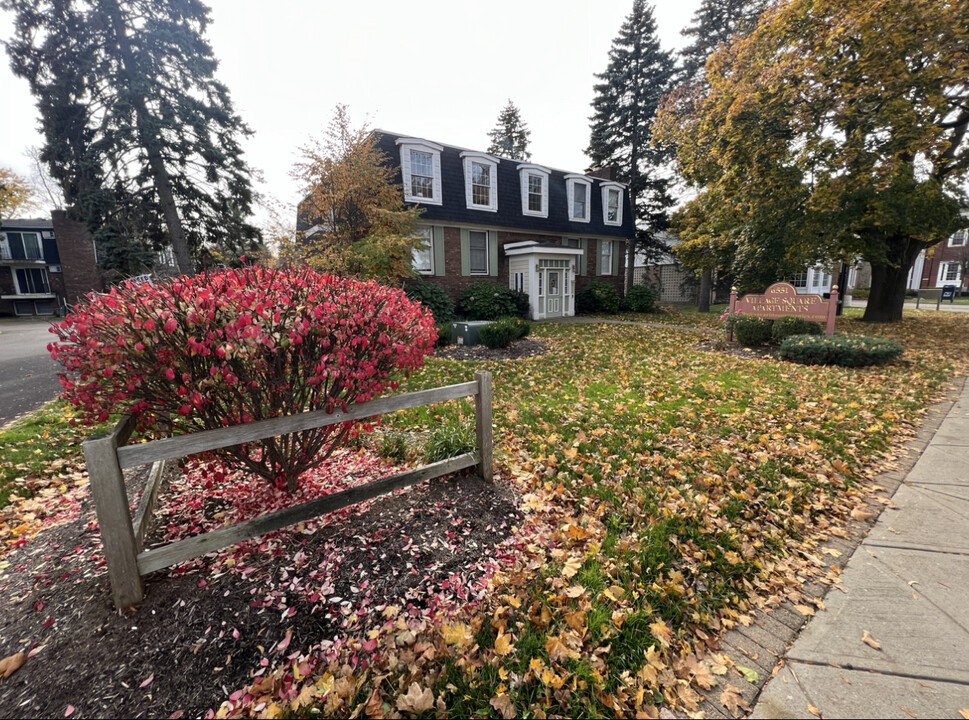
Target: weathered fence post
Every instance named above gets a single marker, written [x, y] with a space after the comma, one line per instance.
[482, 422]
[114, 515]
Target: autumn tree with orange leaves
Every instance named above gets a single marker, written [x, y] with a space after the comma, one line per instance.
[835, 130]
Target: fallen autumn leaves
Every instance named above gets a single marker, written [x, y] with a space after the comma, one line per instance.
[665, 494]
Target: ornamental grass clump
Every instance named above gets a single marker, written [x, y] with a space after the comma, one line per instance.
[240, 346]
[843, 350]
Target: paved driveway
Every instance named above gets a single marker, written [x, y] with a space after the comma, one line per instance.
[28, 377]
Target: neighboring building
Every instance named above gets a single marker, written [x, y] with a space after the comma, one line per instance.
[664, 273]
[45, 265]
[532, 228]
[942, 264]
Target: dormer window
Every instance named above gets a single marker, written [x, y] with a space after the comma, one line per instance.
[480, 181]
[612, 203]
[420, 165]
[579, 192]
[959, 238]
[534, 187]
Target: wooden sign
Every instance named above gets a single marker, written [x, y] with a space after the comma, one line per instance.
[782, 300]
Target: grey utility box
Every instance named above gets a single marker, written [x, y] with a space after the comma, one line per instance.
[467, 333]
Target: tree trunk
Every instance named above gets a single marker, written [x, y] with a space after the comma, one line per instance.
[706, 285]
[148, 134]
[888, 280]
[630, 264]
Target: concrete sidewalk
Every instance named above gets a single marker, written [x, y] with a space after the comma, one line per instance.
[906, 587]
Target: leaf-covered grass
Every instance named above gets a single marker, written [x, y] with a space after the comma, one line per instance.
[669, 491]
[31, 445]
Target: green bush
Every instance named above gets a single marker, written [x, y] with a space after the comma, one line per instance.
[499, 334]
[786, 326]
[598, 297]
[523, 328]
[393, 445]
[842, 350]
[641, 299]
[449, 441]
[751, 331]
[862, 293]
[487, 300]
[521, 303]
[443, 335]
[434, 298]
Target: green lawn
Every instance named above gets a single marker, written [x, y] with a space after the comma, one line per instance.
[672, 489]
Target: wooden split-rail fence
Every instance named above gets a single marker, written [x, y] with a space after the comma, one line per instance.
[123, 537]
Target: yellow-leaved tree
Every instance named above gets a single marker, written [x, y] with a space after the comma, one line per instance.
[835, 130]
[358, 223]
[16, 194]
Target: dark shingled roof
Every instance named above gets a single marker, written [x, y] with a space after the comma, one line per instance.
[454, 209]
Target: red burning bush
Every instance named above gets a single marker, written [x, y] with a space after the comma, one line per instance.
[239, 346]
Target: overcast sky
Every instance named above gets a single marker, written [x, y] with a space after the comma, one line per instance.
[439, 69]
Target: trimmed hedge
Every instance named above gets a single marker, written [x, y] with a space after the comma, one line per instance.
[501, 333]
[786, 326]
[641, 299]
[597, 297]
[752, 331]
[841, 350]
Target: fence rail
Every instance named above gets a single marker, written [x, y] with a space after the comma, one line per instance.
[107, 456]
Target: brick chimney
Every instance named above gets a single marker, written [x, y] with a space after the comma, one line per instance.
[75, 245]
[603, 173]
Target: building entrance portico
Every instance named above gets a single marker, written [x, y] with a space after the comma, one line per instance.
[546, 273]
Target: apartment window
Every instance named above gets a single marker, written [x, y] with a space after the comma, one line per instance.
[480, 184]
[950, 272]
[612, 206]
[32, 281]
[24, 246]
[424, 255]
[800, 280]
[478, 252]
[578, 190]
[480, 181]
[580, 259]
[519, 282]
[420, 165]
[534, 185]
[959, 239]
[605, 257]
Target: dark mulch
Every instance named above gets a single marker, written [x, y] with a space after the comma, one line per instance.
[201, 634]
[516, 351]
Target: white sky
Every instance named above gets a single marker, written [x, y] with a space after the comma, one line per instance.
[438, 69]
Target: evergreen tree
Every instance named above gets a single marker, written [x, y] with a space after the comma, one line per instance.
[627, 99]
[140, 136]
[509, 138]
[714, 23]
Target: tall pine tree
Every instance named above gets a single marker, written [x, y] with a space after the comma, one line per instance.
[627, 98]
[139, 134]
[509, 138]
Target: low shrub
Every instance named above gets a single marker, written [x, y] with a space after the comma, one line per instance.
[499, 334]
[752, 331]
[393, 445]
[434, 298]
[842, 350]
[597, 297]
[237, 346]
[521, 303]
[448, 441]
[641, 299]
[784, 327]
[487, 300]
[443, 335]
[863, 293]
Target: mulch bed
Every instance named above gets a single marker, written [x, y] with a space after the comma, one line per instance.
[518, 350]
[209, 627]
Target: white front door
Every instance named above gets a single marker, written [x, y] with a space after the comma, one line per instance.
[554, 296]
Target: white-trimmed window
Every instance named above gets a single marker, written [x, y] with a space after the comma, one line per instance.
[424, 255]
[24, 246]
[534, 185]
[480, 181]
[800, 280]
[478, 252]
[958, 239]
[32, 281]
[579, 192]
[949, 273]
[605, 257]
[420, 166]
[612, 203]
